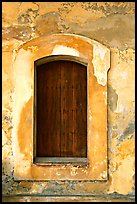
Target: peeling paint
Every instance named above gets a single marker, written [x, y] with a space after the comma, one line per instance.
[111, 24]
[127, 132]
[23, 91]
[63, 50]
[101, 66]
[126, 170]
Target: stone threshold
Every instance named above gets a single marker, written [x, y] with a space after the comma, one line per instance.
[67, 198]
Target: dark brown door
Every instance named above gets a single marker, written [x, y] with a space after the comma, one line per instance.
[61, 109]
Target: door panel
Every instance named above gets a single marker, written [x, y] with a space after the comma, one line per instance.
[73, 110]
[48, 110]
[61, 109]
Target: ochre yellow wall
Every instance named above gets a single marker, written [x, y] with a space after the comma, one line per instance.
[111, 24]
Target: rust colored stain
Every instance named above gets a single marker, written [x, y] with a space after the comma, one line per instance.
[25, 129]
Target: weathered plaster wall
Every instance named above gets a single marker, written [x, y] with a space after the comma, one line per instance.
[112, 24]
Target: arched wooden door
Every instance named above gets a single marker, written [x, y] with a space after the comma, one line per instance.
[61, 109]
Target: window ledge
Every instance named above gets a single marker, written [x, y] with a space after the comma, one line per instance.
[60, 160]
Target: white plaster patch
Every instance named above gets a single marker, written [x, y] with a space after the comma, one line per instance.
[101, 63]
[64, 50]
[122, 182]
[22, 94]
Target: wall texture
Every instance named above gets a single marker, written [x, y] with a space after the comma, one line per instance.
[111, 24]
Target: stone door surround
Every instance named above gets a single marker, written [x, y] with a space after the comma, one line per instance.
[97, 58]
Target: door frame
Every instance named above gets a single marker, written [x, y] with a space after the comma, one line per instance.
[98, 58]
[56, 160]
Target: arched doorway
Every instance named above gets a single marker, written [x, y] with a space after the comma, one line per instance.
[96, 57]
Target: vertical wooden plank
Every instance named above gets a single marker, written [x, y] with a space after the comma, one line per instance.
[48, 110]
[66, 109]
[73, 110]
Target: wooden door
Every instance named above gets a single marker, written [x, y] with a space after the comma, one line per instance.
[61, 109]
